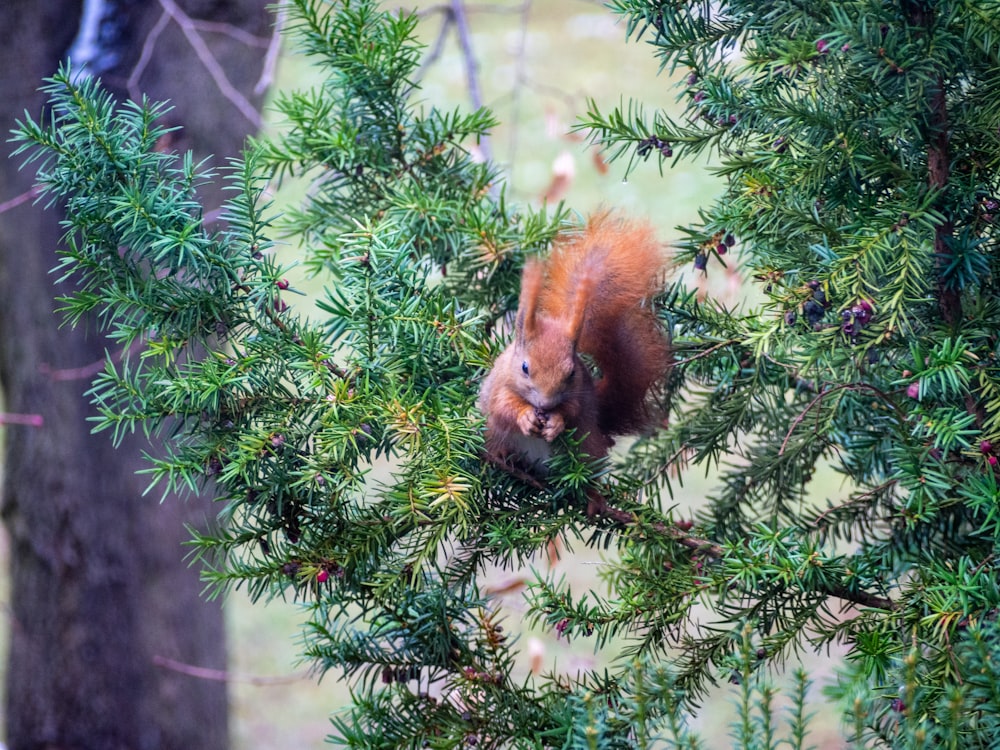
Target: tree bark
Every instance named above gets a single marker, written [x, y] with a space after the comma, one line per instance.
[99, 584]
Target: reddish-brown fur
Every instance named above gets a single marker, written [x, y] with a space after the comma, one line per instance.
[591, 296]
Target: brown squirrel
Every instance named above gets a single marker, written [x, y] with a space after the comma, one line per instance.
[591, 296]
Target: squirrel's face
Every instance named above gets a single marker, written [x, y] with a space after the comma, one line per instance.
[548, 367]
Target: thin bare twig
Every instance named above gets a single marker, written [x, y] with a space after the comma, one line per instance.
[221, 675]
[28, 420]
[820, 521]
[204, 54]
[233, 32]
[455, 15]
[273, 50]
[471, 66]
[17, 200]
[438, 46]
[86, 372]
[823, 394]
[519, 79]
[706, 352]
[145, 55]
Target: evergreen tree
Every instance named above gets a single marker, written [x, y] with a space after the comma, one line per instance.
[858, 144]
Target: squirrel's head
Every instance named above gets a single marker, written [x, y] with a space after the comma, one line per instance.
[547, 362]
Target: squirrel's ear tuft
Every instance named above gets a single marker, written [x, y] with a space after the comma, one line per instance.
[532, 279]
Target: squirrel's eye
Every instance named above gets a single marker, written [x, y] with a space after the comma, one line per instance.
[524, 367]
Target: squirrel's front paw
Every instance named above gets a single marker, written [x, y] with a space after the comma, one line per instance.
[554, 424]
[529, 424]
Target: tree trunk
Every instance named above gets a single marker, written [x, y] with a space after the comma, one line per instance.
[99, 584]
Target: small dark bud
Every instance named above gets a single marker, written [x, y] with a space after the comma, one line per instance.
[277, 440]
[822, 46]
[790, 317]
[813, 284]
[729, 240]
[986, 446]
[761, 653]
[845, 48]
[913, 390]
[282, 283]
[992, 461]
[700, 261]
[290, 568]
[898, 706]
[692, 79]
[561, 626]
[684, 524]
[722, 248]
[699, 96]
[820, 296]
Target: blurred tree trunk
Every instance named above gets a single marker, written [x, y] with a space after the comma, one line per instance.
[99, 586]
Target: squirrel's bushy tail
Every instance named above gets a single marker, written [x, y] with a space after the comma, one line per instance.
[621, 265]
